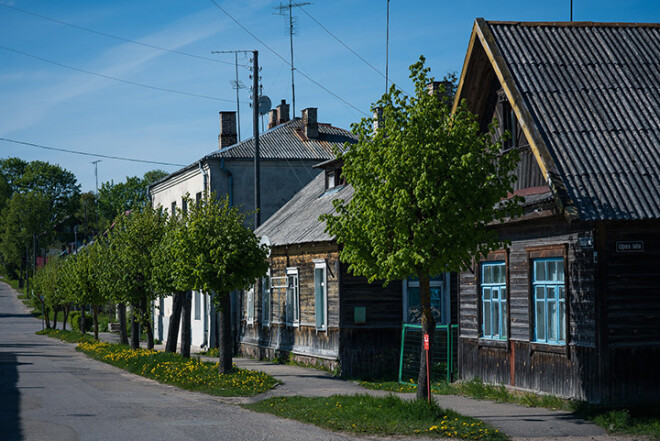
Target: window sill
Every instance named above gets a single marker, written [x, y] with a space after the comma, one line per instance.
[492, 343]
[549, 348]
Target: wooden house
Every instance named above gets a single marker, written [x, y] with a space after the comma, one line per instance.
[572, 306]
[288, 150]
[312, 309]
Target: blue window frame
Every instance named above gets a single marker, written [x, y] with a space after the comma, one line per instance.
[493, 300]
[549, 290]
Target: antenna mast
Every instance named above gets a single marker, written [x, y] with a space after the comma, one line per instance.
[96, 173]
[291, 30]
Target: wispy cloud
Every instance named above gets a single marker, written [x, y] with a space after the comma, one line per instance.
[120, 61]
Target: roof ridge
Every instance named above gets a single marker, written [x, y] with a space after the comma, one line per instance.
[575, 24]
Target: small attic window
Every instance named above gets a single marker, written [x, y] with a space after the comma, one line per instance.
[333, 178]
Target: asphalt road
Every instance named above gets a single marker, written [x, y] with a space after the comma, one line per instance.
[48, 391]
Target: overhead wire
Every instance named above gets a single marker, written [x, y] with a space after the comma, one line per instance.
[348, 47]
[96, 155]
[285, 60]
[117, 37]
[108, 77]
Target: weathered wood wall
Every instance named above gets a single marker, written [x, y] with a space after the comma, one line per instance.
[303, 341]
[632, 311]
[563, 370]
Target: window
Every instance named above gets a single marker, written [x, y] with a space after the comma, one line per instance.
[321, 295]
[439, 300]
[198, 197]
[198, 305]
[184, 204]
[493, 300]
[292, 299]
[331, 179]
[173, 207]
[265, 299]
[549, 293]
[250, 306]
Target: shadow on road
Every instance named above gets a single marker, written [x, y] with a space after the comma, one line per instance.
[9, 405]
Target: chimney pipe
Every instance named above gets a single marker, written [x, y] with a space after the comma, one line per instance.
[442, 90]
[378, 118]
[310, 123]
[272, 118]
[227, 134]
[282, 113]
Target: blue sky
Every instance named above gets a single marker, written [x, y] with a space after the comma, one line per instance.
[47, 104]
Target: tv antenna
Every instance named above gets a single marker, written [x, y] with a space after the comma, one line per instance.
[96, 173]
[237, 85]
[291, 30]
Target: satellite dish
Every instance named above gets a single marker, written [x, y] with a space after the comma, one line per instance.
[264, 105]
[265, 241]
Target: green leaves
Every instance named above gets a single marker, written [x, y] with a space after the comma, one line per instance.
[426, 185]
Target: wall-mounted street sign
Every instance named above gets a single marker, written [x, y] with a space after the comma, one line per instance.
[630, 246]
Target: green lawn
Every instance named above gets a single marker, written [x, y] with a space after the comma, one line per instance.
[186, 373]
[390, 416]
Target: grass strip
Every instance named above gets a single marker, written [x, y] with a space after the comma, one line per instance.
[378, 415]
[169, 368]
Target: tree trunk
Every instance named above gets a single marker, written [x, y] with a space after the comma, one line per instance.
[224, 325]
[146, 322]
[83, 320]
[123, 338]
[135, 327]
[55, 311]
[428, 328]
[185, 332]
[66, 317]
[96, 322]
[46, 315]
[175, 321]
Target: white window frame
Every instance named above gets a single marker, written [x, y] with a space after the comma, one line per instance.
[321, 265]
[292, 298]
[266, 299]
[249, 303]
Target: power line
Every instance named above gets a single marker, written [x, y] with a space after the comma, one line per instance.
[285, 60]
[116, 37]
[349, 48]
[108, 77]
[96, 155]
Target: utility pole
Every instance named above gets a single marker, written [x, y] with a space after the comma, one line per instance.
[255, 124]
[255, 130]
[387, 48]
[291, 30]
[96, 173]
[236, 84]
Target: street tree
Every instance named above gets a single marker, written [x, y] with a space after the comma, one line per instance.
[215, 253]
[133, 241]
[427, 183]
[86, 280]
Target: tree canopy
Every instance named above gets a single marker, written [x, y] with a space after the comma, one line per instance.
[427, 183]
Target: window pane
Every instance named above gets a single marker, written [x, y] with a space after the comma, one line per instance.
[552, 320]
[436, 297]
[562, 321]
[539, 270]
[560, 270]
[488, 332]
[496, 318]
[504, 319]
[540, 293]
[414, 311]
[562, 293]
[540, 321]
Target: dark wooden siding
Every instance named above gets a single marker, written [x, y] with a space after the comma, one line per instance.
[556, 370]
[632, 311]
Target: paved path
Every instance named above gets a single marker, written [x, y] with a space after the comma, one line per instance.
[51, 392]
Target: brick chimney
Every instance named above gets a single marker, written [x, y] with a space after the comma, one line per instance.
[272, 118]
[441, 89]
[227, 134]
[282, 112]
[310, 123]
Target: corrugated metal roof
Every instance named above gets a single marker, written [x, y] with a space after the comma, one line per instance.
[593, 90]
[287, 141]
[298, 220]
